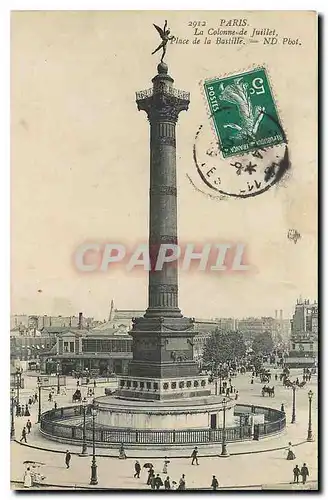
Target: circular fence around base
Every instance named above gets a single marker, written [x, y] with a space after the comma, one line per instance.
[54, 427]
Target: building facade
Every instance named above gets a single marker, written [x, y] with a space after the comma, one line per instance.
[252, 326]
[89, 351]
[303, 349]
[30, 321]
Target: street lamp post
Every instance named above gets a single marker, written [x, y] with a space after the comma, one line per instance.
[220, 375]
[294, 404]
[310, 435]
[58, 374]
[94, 479]
[224, 451]
[216, 379]
[12, 427]
[18, 384]
[84, 451]
[39, 398]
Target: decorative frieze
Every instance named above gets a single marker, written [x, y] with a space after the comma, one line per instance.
[167, 190]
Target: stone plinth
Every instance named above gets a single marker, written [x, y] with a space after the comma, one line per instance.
[198, 413]
[163, 348]
[155, 389]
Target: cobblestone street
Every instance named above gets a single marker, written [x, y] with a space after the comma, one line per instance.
[248, 467]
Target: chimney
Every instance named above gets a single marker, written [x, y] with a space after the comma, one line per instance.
[80, 320]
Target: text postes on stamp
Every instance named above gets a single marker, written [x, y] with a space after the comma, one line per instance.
[244, 112]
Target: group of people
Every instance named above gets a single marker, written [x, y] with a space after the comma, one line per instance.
[228, 390]
[23, 410]
[303, 472]
[155, 481]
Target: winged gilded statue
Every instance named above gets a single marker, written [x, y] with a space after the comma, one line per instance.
[165, 36]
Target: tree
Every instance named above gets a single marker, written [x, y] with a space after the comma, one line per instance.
[222, 347]
[263, 343]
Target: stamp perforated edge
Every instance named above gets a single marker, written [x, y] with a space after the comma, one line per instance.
[231, 74]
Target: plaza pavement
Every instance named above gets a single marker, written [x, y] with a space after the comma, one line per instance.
[248, 467]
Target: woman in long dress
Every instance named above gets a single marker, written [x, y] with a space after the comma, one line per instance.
[27, 478]
[290, 454]
[166, 462]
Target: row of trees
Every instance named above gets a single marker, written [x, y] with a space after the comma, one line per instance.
[224, 347]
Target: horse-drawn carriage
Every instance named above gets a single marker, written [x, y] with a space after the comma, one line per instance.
[77, 396]
[268, 391]
[265, 376]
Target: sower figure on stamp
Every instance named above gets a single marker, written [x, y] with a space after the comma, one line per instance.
[164, 34]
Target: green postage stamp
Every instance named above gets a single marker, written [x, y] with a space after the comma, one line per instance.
[244, 112]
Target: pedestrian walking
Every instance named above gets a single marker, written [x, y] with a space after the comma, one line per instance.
[182, 483]
[167, 484]
[23, 435]
[215, 483]
[122, 454]
[28, 426]
[304, 473]
[94, 383]
[55, 405]
[67, 459]
[151, 474]
[50, 397]
[27, 478]
[158, 482]
[137, 468]
[30, 401]
[296, 472]
[236, 395]
[282, 407]
[36, 397]
[252, 380]
[166, 462]
[290, 455]
[18, 410]
[194, 456]
[152, 482]
[27, 411]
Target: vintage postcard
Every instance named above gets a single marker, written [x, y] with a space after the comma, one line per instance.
[164, 317]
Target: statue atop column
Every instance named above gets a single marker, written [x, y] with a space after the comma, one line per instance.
[164, 34]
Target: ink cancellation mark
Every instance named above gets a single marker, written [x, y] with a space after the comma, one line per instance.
[242, 176]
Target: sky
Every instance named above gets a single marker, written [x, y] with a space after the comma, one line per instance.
[80, 164]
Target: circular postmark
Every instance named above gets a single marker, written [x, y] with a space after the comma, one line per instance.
[241, 174]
